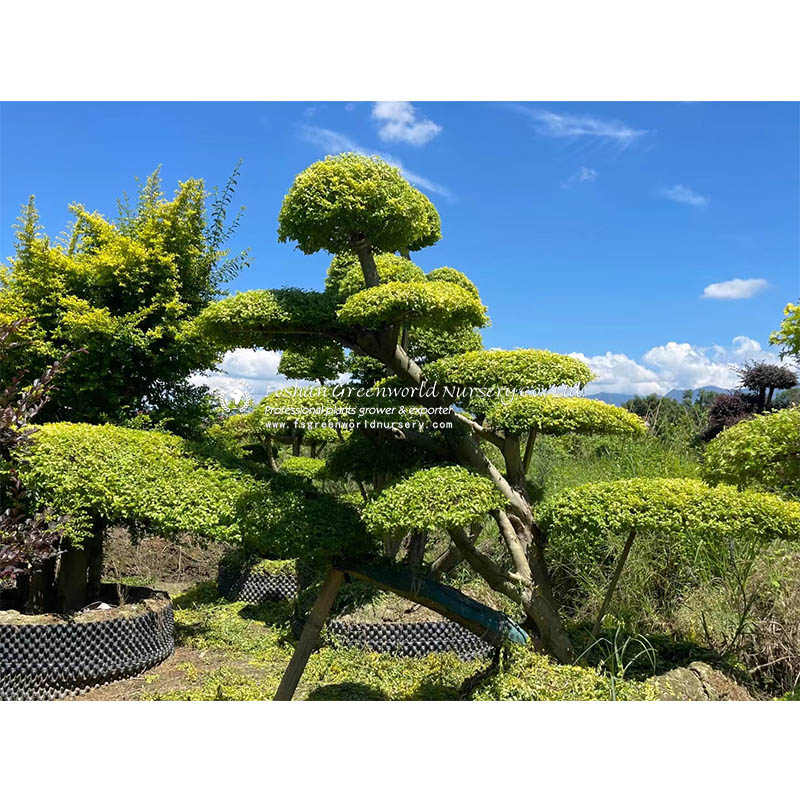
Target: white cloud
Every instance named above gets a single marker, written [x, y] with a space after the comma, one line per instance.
[244, 373]
[684, 194]
[569, 126]
[616, 372]
[332, 142]
[401, 122]
[583, 175]
[736, 289]
[674, 365]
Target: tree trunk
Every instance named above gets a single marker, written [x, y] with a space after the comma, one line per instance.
[36, 589]
[273, 464]
[367, 261]
[613, 584]
[95, 554]
[416, 549]
[72, 582]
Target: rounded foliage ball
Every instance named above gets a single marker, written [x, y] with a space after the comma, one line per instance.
[345, 198]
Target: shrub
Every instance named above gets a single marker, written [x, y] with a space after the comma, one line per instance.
[440, 498]
[560, 415]
[303, 467]
[686, 513]
[446, 305]
[763, 452]
[156, 483]
[287, 518]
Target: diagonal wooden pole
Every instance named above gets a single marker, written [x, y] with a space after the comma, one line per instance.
[310, 635]
[613, 585]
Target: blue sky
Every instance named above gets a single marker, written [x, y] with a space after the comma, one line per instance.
[590, 228]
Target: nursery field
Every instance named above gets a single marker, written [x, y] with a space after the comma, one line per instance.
[412, 516]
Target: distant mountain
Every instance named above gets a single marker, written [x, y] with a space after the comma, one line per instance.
[618, 399]
[677, 394]
[612, 398]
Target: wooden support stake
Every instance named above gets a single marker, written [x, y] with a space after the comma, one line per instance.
[613, 585]
[310, 635]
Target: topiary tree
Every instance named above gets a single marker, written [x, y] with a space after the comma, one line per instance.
[357, 207]
[762, 452]
[100, 475]
[589, 524]
[763, 379]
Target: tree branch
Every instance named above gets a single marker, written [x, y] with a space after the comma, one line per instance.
[497, 578]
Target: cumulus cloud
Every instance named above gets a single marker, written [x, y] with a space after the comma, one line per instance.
[619, 373]
[684, 194]
[570, 126]
[736, 289]
[401, 122]
[244, 374]
[583, 175]
[674, 365]
[332, 142]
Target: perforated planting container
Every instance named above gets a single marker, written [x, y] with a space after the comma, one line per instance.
[44, 657]
[411, 638]
[257, 581]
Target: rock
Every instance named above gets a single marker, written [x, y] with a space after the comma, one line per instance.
[698, 681]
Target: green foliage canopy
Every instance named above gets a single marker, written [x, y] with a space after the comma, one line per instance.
[444, 305]
[440, 498]
[303, 467]
[450, 275]
[275, 318]
[788, 335]
[347, 197]
[528, 370]
[156, 483]
[561, 415]
[345, 276]
[686, 512]
[763, 451]
[119, 294]
[287, 518]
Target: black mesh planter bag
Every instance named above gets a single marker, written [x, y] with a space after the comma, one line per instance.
[411, 638]
[45, 657]
[254, 583]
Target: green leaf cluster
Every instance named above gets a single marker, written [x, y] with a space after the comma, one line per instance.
[450, 275]
[688, 513]
[156, 483]
[443, 305]
[436, 499]
[763, 451]
[788, 335]
[528, 370]
[345, 276]
[287, 518]
[348, 197]
[560, 415]
[274, 318]
[119, 295]
[303, 467]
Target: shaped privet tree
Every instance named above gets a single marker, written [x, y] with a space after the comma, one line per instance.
[421, 329]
